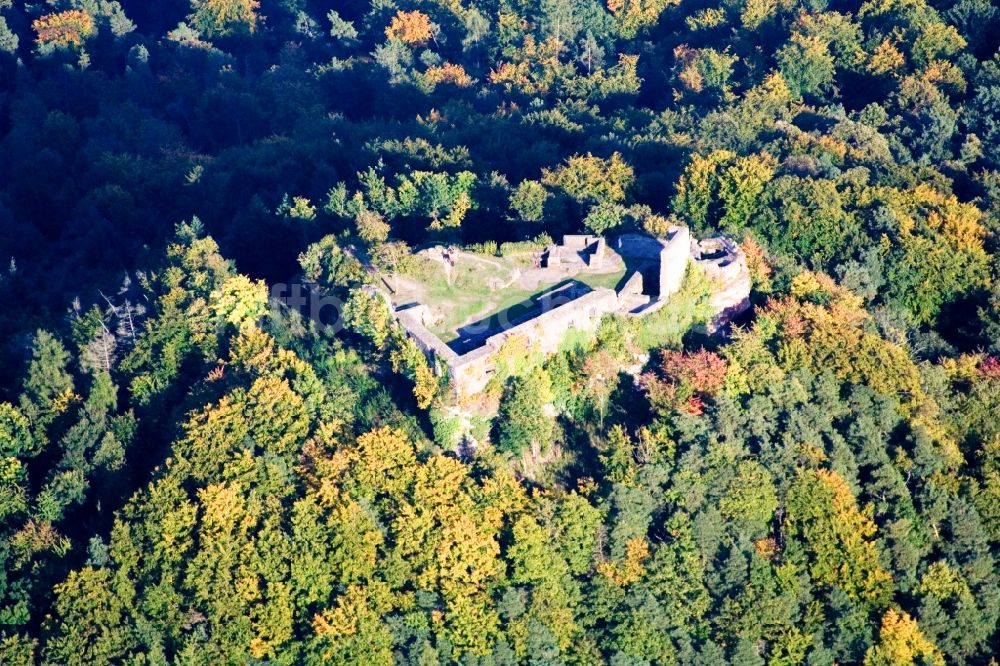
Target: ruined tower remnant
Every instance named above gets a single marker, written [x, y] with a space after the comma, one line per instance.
[672, 253]
[673, 260]
[724, 263]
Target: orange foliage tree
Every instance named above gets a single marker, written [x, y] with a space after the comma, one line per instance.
[448, 73]
[64, 29]
[687, 379]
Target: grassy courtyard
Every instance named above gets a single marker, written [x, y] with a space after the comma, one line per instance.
[480, 289]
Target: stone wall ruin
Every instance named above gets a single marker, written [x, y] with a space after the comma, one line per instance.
[577, 307]
[582, 249]
[724, 263]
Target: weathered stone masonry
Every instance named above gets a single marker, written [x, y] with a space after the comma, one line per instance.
[470, 372]
[545, 333]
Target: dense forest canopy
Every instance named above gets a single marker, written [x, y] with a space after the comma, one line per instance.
[195, 468]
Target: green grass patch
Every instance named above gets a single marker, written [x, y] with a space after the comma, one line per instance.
[602, 280]
[576, 339]
[687, 308]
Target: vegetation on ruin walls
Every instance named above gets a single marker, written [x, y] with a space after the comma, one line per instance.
[683, 311]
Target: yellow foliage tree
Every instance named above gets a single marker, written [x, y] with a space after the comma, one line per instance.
[936, 249]
[448, 73]
[756, 12]
[425, 386]
[631, 568]
[885, 59]
[224, 17]
[837, 537]
[240, 301]
[413, 28]
[533, 68]
[67, 29]
[591, 179]
[901, 643]
[385, 461]
[354, 626]
[635, 15]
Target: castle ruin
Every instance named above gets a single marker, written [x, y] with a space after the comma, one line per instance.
[577, 307]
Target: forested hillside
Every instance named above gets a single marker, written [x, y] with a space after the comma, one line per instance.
[199, 465]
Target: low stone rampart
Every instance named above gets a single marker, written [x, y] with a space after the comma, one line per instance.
[633, 286]
[430, 344]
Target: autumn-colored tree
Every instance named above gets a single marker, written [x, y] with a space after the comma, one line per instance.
[101, 630]
[69, 29]
[425, 385]
[413, 28]
[449, 73]
[837, 537]
[703, 72]
[685, 380]
[371, 227]
[297, 208]
[901, 643]
[409, 360]
[352, 631]
[723, 189]
[938, 253]
[15, 433]
[758, 264]
[590, 179]
[224, 17]
[239, 301]
[635, 15]
[703, 371]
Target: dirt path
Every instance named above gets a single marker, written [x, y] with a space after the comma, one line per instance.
[407, 289]
[444, 264]
[484, 260]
